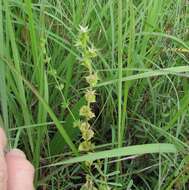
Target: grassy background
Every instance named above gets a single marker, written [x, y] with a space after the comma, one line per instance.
[143, 92]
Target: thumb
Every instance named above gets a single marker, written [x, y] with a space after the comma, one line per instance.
[20, 171]
[3, 167]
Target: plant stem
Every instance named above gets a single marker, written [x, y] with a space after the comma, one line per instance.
[120, 66]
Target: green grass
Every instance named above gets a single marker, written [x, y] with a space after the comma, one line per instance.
[141, 123]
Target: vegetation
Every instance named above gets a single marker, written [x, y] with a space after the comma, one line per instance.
[96, 92]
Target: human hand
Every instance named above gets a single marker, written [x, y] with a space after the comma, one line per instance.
[16, 172]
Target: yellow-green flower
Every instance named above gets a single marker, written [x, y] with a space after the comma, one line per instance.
[83, 29]
[77, 124]
[90, 96]
[60, 87]
[84, 126]
[83, 37]
[92, 52]
[87, 134]
[78, 43]
[104, 187]
[86, 112]
[92, 79]
[88, 163]
[53, 72]
[86, 62]
[86, 146]
[89, 185]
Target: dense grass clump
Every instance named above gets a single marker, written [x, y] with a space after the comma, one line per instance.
[131, 91]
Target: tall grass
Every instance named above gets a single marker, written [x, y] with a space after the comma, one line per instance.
[141, 123]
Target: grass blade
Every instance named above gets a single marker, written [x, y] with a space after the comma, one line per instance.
[124, 151]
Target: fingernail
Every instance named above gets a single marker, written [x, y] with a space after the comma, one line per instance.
[17, 153]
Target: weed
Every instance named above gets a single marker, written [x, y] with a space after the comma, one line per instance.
[130, 128]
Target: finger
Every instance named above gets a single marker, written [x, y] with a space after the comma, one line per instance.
[20, 171]
[2, 138]
[3, 168]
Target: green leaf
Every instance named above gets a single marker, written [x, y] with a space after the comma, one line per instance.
[124, 151]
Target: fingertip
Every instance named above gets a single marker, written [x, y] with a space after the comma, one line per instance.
[3, 139]
[16, 153]
[20, 171]
[18, 160]
[3, 168]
